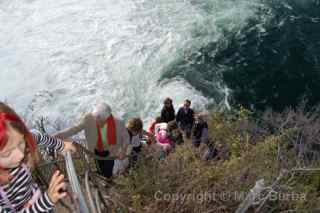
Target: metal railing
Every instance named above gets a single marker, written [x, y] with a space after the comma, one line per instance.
[75, 185]
[87, 188]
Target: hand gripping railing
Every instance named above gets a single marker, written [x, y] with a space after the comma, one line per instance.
[88, 189]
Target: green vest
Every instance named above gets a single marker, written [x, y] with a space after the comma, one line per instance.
[104, 137]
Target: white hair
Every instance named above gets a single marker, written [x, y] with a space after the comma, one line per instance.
[102, 110]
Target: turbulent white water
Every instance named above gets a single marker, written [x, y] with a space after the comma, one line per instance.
[60, 57]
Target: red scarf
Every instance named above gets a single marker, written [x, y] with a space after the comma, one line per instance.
[111, 133]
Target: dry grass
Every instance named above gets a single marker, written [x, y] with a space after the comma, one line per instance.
[249, 150]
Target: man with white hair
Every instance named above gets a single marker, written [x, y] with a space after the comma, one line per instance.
[105, 135]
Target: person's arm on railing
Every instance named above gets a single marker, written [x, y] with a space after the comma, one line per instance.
[67, 133]
[52, 143]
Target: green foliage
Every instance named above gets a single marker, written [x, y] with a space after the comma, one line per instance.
[244, 157]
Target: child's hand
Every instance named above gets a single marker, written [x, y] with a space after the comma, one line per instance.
[57, 185]
[68, 147]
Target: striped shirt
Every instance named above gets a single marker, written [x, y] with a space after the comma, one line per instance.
[21, 189]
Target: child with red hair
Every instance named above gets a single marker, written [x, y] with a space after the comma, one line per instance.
[18, 152]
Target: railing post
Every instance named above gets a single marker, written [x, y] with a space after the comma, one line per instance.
[75, 185]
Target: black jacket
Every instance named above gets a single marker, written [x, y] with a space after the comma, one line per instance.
[185, 118]
[167, 114]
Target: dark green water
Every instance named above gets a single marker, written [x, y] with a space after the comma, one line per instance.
[273, 60]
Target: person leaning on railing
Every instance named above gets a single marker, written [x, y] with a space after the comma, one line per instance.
[106, 136]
